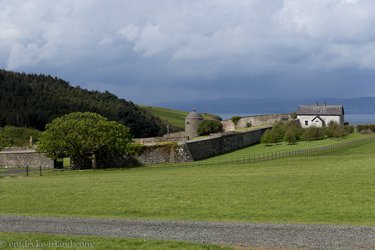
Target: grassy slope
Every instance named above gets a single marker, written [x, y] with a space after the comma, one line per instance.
[9, 240]
[174, 117]
[337, 188]
[284, 146]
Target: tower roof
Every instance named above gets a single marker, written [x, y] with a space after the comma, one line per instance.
[194, 115]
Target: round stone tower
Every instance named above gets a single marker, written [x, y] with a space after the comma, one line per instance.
[192, 121]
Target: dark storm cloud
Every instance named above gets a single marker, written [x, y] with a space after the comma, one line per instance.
[151, 51]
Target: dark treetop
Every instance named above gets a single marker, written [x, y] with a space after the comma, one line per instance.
[31, 100]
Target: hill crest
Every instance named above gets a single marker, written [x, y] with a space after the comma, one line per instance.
[33, 100]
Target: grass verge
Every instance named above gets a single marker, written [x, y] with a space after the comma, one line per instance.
[48, 241]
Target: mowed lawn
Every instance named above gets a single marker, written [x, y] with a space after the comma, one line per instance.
[337, 188]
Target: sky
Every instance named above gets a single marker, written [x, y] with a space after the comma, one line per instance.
[152, 51]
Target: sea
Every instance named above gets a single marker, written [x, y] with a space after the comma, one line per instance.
[353, 119]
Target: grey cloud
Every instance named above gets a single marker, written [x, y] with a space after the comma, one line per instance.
[197, 47]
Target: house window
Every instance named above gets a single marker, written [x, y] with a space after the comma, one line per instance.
[306, 123]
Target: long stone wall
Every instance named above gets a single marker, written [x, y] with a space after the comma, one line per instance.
[199, 149]
[152, 141]
[165, 153]
[160, 153]
[205, 148]
[253, 121]
[22, 157]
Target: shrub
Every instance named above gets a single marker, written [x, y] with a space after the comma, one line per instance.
[349, 129]
[291, 135]
[366, 131]
[235, 120]
[4, 142]
[16, 136]
[313, 133]
[330, 130]
[339, 132]
[212, 117]
[334, 130]
[207, 127]
[248, 124]
[293, 115]
[278, 131]
[298, 131]
[267, 137]
[366, 127]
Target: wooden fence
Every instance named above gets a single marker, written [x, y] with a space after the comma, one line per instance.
[248, 159]
[284, 154]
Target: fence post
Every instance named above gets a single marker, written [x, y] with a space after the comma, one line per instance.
[40, 170]
[27, 170]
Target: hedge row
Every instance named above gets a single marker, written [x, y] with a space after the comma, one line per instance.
[292, 132]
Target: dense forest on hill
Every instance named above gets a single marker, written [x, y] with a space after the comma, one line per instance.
[31, 100]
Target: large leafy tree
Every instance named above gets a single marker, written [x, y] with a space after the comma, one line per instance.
[83, 136]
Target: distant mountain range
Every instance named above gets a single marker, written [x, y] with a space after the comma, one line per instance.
[361, 105]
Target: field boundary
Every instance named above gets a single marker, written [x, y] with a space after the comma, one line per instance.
[247, 159]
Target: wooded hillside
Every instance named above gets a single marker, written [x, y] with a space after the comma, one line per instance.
[31, 100]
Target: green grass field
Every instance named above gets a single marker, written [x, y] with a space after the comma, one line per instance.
[284, 146]
[174, 117]
[47, 241]
[337, 188]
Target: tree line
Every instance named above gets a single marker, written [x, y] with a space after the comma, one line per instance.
[34, 100]
[292, 132]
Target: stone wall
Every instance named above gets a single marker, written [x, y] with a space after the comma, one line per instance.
[22, 157]
[254, 121]
[171, 152]
[199, 149]
[164, 153]
[172, 137]
[205, 148]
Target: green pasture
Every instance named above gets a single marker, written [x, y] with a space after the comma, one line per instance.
[260, 149]
[48, 241]
[174, 117]
[336, 188]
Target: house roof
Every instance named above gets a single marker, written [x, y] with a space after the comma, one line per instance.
[320, 110]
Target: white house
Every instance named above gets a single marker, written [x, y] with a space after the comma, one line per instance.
[320, 115]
